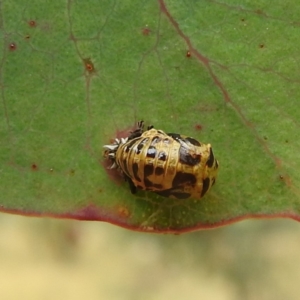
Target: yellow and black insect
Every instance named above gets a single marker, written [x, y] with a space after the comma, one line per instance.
[169, 164]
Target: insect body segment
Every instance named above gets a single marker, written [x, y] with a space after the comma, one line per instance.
[172, 165]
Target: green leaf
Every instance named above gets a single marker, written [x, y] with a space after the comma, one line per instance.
[75, 75]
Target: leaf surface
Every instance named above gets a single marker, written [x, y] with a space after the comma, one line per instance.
[74, 75]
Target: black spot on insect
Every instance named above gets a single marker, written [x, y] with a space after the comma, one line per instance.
[132, 187]
[151, 152]
[144, 141]
[136, 133]
[139, 147]
[151, 185]
[129, 145]
[155, 140]
[135, 169]
[205, 187]
[159, 171]
[124, 167]
[211, 159]
[162, 156]
[217, 165]
[148, 170]
[188, 159]
[183, 178]
[193, 141]
[175, 136]
[157, 186]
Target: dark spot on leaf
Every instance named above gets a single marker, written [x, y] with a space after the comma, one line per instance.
[12, 46]
[259, 12]
[34, 167]
[146, 31]
[32, 23]
[198, 127]
[89, 66]
[123, 212]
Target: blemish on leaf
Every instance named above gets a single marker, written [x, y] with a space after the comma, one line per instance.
[146, 31]
[198, 127]
[123, 212]
[188, 54]
[34, 167]
[259, 12]
[12, 46]
[89, 66]
[32, 23]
